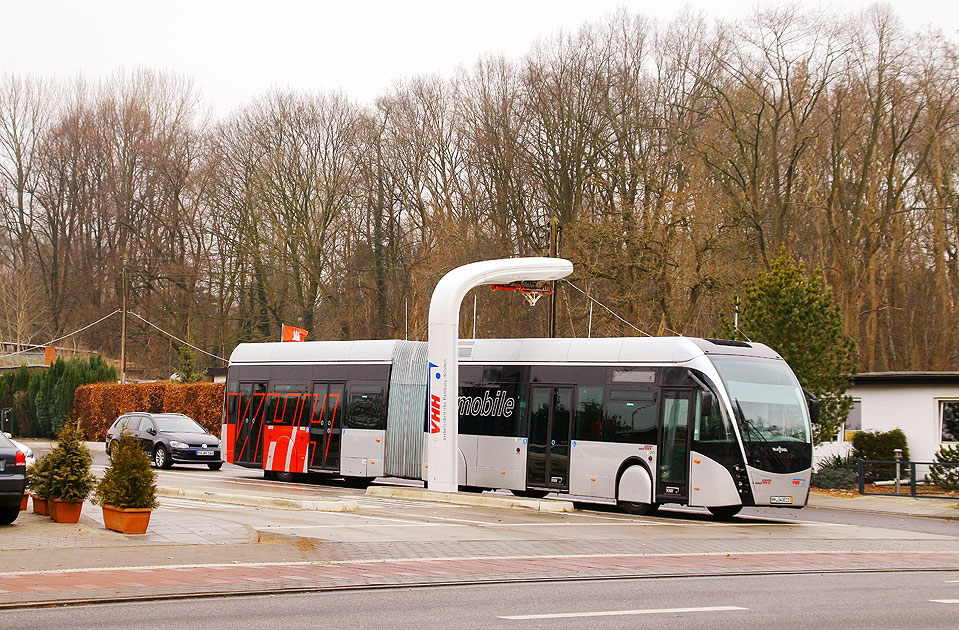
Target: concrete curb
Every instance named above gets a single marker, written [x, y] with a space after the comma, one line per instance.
[348, 505]
[462, 498]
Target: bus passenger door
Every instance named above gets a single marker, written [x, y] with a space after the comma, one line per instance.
[249, 431]
[672, 484]
[549, 438]
[326, 427]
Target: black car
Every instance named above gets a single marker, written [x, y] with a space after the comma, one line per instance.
[13, 468]
[170, 438]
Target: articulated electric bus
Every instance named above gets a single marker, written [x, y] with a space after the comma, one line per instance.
[640, 421]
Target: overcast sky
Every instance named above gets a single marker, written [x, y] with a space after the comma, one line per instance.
[236, 49]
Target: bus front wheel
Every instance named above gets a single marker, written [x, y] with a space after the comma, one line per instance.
[639, 509]
[725, 511]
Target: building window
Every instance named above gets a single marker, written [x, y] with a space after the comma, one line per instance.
[853, 420]
[949, 414]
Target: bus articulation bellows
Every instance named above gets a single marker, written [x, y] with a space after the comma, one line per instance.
[642, 421]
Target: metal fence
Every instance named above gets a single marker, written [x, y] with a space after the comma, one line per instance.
[938, 480]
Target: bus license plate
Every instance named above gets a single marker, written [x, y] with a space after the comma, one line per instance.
[780, 500]
[202, 453]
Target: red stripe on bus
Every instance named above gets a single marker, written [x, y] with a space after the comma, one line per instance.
[322, 412]
[259, 434]
[245, 441]
[329, 436]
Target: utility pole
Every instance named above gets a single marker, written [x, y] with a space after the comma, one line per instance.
[554, 231]
[123, 326]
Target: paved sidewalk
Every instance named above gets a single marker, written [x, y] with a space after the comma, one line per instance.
[907, 506]
[131, 583]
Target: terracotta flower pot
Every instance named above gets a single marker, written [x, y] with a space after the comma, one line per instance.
[66, 511]
[23, 502]
[126, 520]
[40, 506]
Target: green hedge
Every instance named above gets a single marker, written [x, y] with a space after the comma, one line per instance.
[42, 399]
[880, 445]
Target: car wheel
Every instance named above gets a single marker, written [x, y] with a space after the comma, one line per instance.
[639, 509]
[161, 459]
[215, 465]
[9, 514]
[725, 511]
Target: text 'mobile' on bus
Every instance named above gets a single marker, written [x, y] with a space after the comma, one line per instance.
[641, 421]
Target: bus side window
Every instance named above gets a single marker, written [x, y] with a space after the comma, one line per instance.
[366, 408]
[631, 417]
[712, 425]
[232, 406]
[589, 413]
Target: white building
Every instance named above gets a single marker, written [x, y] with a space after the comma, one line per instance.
[925, 405]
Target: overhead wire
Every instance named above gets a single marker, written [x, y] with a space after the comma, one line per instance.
[53, 341]
[105, 317]
[175, 338]
[611, 312]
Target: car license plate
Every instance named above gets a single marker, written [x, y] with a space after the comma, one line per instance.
[780, 500]
[202, 453]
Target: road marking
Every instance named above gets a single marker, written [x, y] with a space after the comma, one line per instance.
[616, 613]
[945, 601]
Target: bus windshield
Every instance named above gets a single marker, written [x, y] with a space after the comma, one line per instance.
[767, 400]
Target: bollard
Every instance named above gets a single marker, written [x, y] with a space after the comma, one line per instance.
[898, 453]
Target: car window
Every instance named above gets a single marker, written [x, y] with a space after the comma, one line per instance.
[145, 424]
[178, 424]
[4, 441]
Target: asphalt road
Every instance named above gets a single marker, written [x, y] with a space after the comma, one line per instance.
[849, 601]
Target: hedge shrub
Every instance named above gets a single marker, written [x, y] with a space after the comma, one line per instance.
[880, 446]
[42, 399]
[96, 406]
[838, 472]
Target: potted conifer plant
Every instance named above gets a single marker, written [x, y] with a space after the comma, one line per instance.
[70, 478]
[127, 490]
[38, 482]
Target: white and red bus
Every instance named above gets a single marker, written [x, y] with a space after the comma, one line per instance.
[642, 421]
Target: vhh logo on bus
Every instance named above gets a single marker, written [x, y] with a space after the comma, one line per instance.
[434, 377]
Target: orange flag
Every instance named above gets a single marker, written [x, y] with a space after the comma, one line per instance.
[292, 333]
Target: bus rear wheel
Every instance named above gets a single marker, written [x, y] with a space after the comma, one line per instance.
[638, 509]
[357, 482]
[725, 511]
[282, 475]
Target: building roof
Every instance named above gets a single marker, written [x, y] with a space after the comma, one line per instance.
[907, 378]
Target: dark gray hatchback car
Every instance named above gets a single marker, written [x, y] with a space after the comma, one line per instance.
[169, 438]
[13, 467]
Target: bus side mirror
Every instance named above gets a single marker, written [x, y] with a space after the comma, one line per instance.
[813, 406]
[705, 404]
